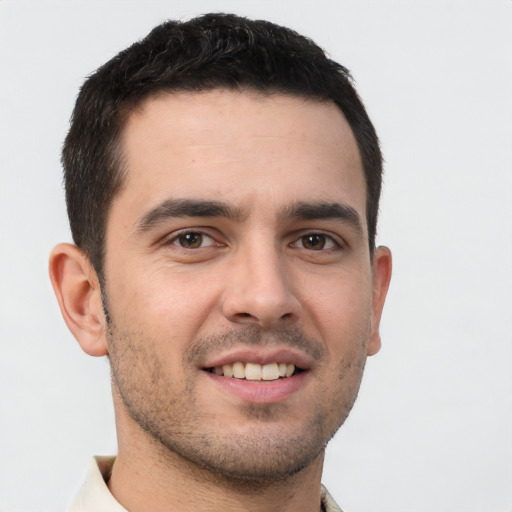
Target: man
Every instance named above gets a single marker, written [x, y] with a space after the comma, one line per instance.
[222, 182]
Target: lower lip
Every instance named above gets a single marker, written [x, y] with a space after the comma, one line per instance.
[261, 392]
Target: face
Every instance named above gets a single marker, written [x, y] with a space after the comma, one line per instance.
[239, 282]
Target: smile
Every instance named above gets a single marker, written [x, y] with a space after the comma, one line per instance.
[255, 371]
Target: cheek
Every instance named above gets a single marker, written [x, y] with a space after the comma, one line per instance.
[342, 313]
[168, 303]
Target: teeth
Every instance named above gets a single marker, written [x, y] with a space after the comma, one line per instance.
[228, 370]
[254, 371]
[270, 372]
[238, 370]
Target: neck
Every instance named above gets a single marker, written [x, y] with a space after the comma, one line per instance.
[147, 476]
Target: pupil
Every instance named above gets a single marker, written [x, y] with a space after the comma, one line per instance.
[191, 240]
[314, 241]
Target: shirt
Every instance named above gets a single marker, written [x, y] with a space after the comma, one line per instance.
[94, 495]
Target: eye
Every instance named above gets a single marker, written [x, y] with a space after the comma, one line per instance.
[315, 242]
[192, 240]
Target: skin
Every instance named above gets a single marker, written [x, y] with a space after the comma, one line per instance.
[258, 284]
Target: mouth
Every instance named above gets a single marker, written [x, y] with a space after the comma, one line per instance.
[259, 377]
[256, 372]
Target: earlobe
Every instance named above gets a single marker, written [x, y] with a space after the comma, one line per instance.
[382, 268]
[78, 292]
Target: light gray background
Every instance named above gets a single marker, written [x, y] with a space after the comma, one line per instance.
[432, 429]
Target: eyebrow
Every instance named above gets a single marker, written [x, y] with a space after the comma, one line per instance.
[177, 208]
[313, 211]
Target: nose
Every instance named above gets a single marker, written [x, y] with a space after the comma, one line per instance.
[260, 290]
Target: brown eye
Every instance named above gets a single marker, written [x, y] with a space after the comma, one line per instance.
[192, 240]
[314, 242]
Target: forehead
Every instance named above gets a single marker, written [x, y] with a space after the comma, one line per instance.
[214, 117]
[242, 146]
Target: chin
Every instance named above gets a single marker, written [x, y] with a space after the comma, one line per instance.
[261, 453]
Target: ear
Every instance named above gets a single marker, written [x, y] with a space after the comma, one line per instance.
[382, 265]
[76, 286]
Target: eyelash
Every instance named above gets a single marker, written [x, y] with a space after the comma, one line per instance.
[180, 236]
[327, 240]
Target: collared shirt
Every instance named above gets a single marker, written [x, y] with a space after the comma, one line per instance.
[94, 495]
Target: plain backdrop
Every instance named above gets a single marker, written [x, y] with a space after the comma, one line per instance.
[432, 428]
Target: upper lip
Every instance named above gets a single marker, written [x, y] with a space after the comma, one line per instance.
[261, 355]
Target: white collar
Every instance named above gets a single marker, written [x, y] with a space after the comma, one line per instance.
[95, 496]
